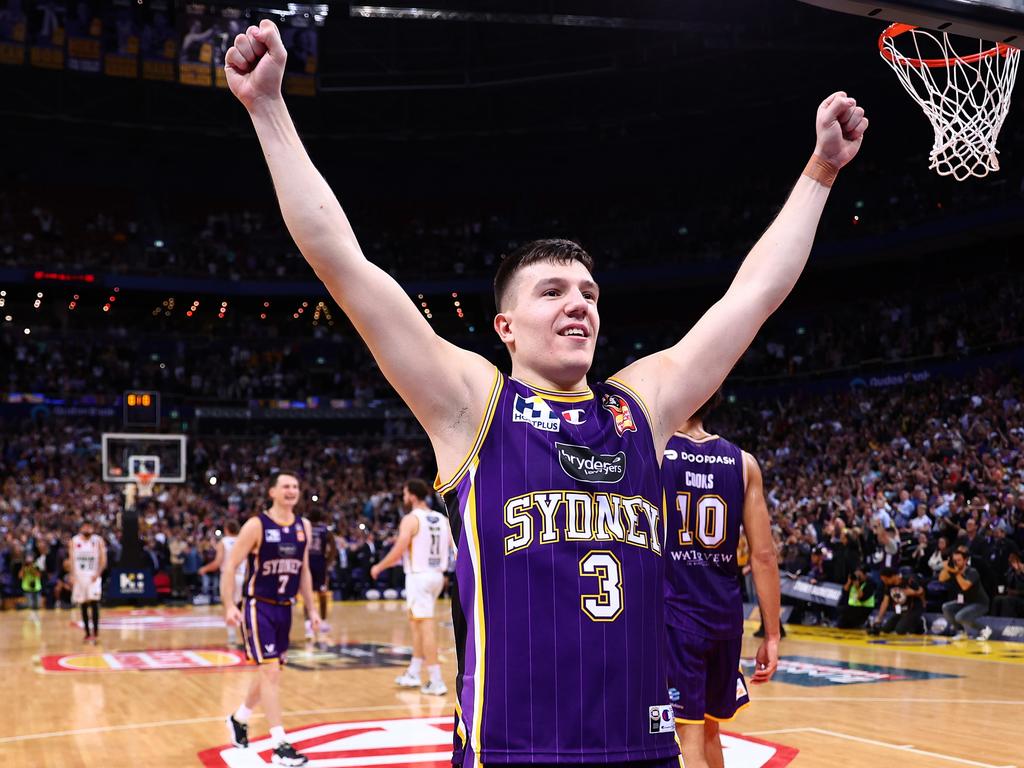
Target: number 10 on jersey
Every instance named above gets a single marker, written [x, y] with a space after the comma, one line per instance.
[710, 523]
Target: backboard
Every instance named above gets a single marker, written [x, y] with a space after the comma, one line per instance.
[1000, 21]
[126, 453]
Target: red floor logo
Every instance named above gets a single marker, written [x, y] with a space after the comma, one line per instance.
[424, 742]
[198, 658]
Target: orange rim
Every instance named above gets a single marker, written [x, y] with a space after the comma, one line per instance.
[895, 30]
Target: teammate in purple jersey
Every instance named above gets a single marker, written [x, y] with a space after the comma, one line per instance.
[275, 546]
[711, 488]
[516, 454]
[322, 552]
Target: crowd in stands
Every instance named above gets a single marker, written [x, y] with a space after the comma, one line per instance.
[693, 222]
[50, 484]
[871, 487]
[874, 489]
[246, 357]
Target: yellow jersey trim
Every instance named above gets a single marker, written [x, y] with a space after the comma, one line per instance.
[560, 396]
[481, 434]
[697, 440]
[479, 629]
[727, 719]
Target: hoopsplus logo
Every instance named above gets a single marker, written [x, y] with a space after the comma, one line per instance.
[583, 464]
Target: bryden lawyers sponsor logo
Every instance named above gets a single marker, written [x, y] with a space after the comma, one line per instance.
[581, 463]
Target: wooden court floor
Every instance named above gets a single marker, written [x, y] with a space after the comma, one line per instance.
[155, 692]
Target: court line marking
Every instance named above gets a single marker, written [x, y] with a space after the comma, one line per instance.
[890, 699]
[194, 720]
[901, 747]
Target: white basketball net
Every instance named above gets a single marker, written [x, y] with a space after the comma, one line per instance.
[966, 101]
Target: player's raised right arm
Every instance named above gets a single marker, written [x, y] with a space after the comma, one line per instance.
[445, 386]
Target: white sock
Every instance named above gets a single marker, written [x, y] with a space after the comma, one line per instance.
[277, 735]
[415, 666]
[231, 635]
[242, 713]
[435, 673]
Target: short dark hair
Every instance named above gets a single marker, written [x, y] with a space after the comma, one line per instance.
[712, 402]
[888, 572]
[417, 488]
[555, 251]
[283, 473]
[231, 526]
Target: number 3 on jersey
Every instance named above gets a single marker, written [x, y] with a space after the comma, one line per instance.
[711, 515]
[606, 605]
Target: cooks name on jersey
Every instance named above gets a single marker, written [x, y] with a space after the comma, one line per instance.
[549, 517]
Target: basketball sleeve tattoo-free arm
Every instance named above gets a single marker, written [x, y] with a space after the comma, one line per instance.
[401, 340]
[677, 381]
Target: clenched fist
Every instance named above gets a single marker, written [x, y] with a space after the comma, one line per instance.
[840, 126]
[255, 64]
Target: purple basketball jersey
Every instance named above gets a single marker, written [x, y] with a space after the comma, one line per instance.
[274, 568]
[704, 494]
[559, 610]
[318, 546]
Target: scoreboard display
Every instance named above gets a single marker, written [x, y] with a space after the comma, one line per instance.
[141, 409]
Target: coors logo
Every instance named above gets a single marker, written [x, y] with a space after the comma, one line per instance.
[583, 464]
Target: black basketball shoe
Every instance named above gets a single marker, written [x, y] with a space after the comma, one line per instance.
[285, 754]
[239, 732]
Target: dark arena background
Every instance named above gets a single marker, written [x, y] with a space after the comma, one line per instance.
[165, 348]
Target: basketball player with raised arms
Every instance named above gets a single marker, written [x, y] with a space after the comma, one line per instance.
[274, 545]
[552, 484]
[88, 554]
[711, 488]
[219, 562]
[423, 547]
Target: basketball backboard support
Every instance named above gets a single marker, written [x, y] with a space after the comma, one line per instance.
[1000, 21]
[125, 454]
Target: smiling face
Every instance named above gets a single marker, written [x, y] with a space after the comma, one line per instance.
[549, 322]
[285, 492]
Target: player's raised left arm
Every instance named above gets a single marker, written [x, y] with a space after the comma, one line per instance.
[677, 381]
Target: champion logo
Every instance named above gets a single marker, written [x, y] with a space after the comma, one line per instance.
[574, 416]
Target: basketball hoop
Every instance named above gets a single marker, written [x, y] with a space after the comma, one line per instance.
[144, 481]
[965, 98]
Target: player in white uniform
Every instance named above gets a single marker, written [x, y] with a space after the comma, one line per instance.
[88, 555]
[424, 546]
[224, 547]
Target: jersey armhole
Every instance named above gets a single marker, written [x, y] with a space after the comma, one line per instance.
[481, 434]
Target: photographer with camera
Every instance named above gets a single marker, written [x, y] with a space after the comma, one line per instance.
[905, 595]
[971, 601]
